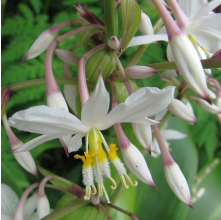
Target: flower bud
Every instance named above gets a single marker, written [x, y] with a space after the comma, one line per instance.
[180, 110]
[4, 100]
[43, 206]
[113, 43]
[178, 183]
[41, 43]
[67, 56]
[139, 72]
[136, 163]
[207, 107]
[146, 27]
[24, 158]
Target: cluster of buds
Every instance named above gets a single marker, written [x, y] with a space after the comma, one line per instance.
[100, 65]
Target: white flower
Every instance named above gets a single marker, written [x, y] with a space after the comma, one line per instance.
[9, 203]
[55, 123]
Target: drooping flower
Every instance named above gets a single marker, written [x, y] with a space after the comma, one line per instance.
[55, 123]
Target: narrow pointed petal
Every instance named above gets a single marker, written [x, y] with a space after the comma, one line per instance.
[180, 110]
[170, 134]
[56, 100]
[67, 56]
[36, 141]
[155, 149]
[142, 103]
[70, 94]
[209, 108]
[146, 27]
[147, 39]
[9, 201]
[96, 107]
[178, 183]
[136, 163]
[143, 134]
[45, 120]
[64, 141]
[26, 161]
[75, 143]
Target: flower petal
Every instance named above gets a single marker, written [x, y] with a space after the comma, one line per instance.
[45, 120]
[142, 103]
[169, 134]
[36, 141]
[75, 143]
[96, 107]
[9, 201]
[147, 39]
[30, 205]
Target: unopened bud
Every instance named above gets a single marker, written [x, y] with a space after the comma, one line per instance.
[140, 72]
[113, 43]
[4, 100]
[137, 164]
[178, 183]
[43, 206]
[180, 110]
[207, 107]
[146, 27]
[67, 56]
[41, 43]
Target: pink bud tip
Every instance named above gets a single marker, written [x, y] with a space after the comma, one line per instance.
[153, 185]
[24, 58]
[217, 55]
[207, 98]
[190, 205]
[149, 150]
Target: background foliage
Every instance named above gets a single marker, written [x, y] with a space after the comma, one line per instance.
[198, 155]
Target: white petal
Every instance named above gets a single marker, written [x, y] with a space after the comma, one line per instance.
[155, 149]
[36, 141]
[70, 94]
[75, 143]
[96, 107]
[26, 161]
[169, 134]
[142, 103]
[30, 205]
[206, 9]
[207, 31]
[147, 39]
[56, 100]
[143, 134]
[45, 120]
[43, 206]
[9, 201]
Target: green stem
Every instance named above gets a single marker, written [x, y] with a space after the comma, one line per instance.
[59, 213]
[37, 82]
[207, 64]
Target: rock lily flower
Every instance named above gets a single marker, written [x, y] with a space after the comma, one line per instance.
[55, 123]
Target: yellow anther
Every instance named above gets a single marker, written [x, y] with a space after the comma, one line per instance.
[130, 181]
[101, 154]
[112, 153]
[114, 186]
[87, 159]
[124, 182]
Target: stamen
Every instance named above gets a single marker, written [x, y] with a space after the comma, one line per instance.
[88, 193]
[100, 191]
[105, 143]
[124, 182]
[105, 193]
[94, 192]
[86, 142]
[114, 186]
[130, 181]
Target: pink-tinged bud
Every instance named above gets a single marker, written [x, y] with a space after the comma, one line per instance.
[178, 183]
[95, 200]
[67, 56]
[180, 110]
[146, 27]
[139, 72]
[136, 163]
[217, 55]
[113, 43]
[43, 206]
[87, 15]
[207, 107]
[143, 134]
[4, 100]
[24, 159]
[41, 43]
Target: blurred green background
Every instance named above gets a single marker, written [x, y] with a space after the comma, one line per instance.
[198, 155]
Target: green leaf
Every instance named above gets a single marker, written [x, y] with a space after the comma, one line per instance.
[207, 187]
[131, 16]
[36, 4]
